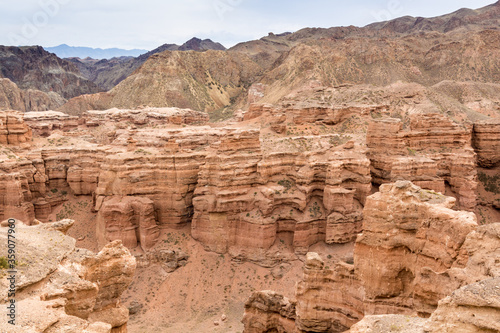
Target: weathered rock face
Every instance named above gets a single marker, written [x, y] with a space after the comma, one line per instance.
[129, 219]
[15, 194]
[44, 122]
[413, 251]
[486, 142]
[433, 152]
[69, 288]
[13, 130]
[266, 311]
[167, 179]
[112, 269]
[298, 113]
[407, 232]
[472, 308]
[328, 300]
[303, 197]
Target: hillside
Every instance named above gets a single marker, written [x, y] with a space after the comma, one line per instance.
[107, 73]
[379, 54]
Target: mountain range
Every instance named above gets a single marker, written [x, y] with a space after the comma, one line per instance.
[203, 75]
[66, 51]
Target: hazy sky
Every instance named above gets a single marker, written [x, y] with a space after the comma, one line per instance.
[147, 24]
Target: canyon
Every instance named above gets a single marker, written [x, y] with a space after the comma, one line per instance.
[326, 180]
[262, 191]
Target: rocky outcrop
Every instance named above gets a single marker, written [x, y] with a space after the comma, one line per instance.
[267, 311]
[129, 219]
[486, 142]
[146, 116]
[328, 299]
[13, 129]
[45, 122]
[169, 260]
[433, 152]
[307, 197]
[60, 287]
[413, 252]
[112, 269]
[408, 233]
[15, 195]
[472, 308]
[166, 179]
[293, 111]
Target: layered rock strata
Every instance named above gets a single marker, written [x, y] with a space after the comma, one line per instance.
[433, 152]
[486, 142]
[146, 116]
[43, 123]
[413, 252]
[246, 201]
[129, 219]
[267, 311]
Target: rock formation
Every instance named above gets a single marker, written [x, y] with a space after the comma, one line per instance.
[129, 219]
[13, 130]
[413, 252]
[472, 308]
[147, 116]
[408, 234]
[433, 152]
[266, 311]
[486, 142]
[328, 299]
[13, 98]
[313, 196]
[43, 123]
[60, 287]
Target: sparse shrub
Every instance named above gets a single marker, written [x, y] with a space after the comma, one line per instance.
[4, 264]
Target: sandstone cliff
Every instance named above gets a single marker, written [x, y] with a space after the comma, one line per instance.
[433, 152]
[413, 252]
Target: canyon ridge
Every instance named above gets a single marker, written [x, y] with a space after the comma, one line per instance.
[326, 180]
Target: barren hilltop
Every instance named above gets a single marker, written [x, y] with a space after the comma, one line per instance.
[327, 180]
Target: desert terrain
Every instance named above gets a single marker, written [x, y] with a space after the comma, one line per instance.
[327, 180]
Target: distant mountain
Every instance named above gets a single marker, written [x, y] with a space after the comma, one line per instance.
[66, 51]
[108, 73]
[196, 44]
